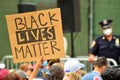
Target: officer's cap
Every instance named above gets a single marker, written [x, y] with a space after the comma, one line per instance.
[106, 23]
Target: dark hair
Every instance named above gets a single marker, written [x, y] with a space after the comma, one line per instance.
[57, 72]
[111, 74]
[101, 61]
[52, 61]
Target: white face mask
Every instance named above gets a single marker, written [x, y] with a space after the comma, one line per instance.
[107, 31]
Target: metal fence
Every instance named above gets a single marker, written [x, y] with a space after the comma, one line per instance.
[88, 66]
[8, 60]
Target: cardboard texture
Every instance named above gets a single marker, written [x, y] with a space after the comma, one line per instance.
[35, 34]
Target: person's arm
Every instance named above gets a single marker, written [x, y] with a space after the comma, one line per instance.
[91, 58]
[36, 69]
[93, 51]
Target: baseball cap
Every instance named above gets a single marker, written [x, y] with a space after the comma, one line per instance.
[2, 65]
[37, 79]
[106, 23]
[3, 73]
[72, 65]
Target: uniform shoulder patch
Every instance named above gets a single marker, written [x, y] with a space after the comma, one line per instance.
[93, 44]
[117, 43]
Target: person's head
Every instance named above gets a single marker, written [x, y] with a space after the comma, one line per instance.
[111, 74]
[106, 26]
[100, 64]
[71, 76]
[13, 76]
[59, 64]
[73, 65]
[3, 73]
[57, 72]
[25, 66]
[29, 72]
[50, 62]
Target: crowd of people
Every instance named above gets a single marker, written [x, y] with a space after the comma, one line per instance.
[54, 69]
[106, 46]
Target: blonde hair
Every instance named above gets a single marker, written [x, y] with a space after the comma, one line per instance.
[73, 76]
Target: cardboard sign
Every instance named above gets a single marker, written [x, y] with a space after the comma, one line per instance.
[35, 34]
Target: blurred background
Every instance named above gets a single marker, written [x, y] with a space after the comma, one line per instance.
[79, 20]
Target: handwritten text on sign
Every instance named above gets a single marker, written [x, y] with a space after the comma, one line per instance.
[35, 34]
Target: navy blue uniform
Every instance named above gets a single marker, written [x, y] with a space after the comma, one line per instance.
[109, 49]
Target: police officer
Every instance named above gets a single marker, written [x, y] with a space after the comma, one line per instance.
[99, 66]
[107, 45]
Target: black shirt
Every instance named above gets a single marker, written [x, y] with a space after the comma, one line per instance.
[109, 49]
